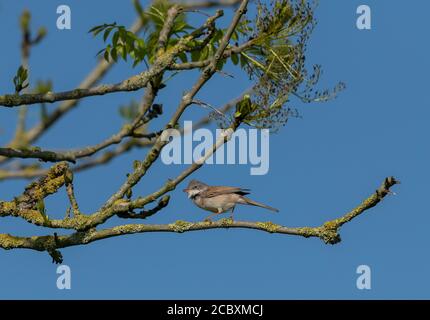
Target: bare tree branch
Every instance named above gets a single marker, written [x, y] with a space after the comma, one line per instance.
[328, 232]
[30, 172]
[93, 77]
[131, 84]
[72, 156]
[162, 203]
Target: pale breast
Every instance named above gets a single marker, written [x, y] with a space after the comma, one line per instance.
[201, 203]
[221, 203]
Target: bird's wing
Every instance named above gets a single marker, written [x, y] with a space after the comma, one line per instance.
[214, 191]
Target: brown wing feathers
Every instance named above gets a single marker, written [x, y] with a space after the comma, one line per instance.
[218, 190]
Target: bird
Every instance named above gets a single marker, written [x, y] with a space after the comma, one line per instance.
[220, 199]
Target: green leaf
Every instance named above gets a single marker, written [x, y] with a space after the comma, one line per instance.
[106, 56]
[95, 33]
[195, 55]
[218, 35]
[97, 29]
[138, 8]
[114, 54]
[234, 36]
[22, 73]
[106, 34]
[132, 36]
[234, 59]
[129, 44]
[122, 33]
[100, 51]
[136, 62]
[140, 42]
[220, 64]
[94, 29]
[183, 57]
[157, 13]
[243, 61]
[115, 38]
[19, 79]
[122, 52]
[180, 27]
[107, 53]
[204, 53]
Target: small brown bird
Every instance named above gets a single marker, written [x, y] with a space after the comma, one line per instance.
[220, 199]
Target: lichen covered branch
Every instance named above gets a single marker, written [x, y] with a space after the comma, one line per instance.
[327, 232]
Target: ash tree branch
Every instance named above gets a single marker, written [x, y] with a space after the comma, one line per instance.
[328, 232]
[68, 181]
[204, 63]
[162, 203]
[133, 83]
[98, 72]
[29, 205]
[36, 153]
[30, 172]
[72, 156]
[164, 35]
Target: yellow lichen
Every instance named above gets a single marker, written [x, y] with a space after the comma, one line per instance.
[180, 226]
[269, 226]
[7, 207]
[331, 225]
[226, 222]
[306, 231]
[120, 202]
[9, 242]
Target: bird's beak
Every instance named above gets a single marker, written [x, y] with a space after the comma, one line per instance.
[188, 191]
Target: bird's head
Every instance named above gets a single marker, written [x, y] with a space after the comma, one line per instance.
[194, 188]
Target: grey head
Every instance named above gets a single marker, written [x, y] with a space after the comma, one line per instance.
[194, 188]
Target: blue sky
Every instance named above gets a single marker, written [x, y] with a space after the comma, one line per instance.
[321, 165]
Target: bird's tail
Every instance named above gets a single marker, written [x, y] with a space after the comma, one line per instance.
[255, 203]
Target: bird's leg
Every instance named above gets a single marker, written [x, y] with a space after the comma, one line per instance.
[232, 210]
[208, 218]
